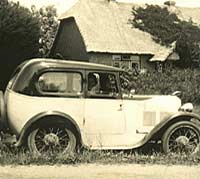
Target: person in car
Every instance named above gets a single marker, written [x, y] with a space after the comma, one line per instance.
[93, 86]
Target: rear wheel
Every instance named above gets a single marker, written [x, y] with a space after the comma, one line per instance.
[54, 139]
[181, 137]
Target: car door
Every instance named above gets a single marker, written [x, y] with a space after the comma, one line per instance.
[61, 90]
[104, 115]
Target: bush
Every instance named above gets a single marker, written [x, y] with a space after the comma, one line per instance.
[48, 27]
[19, 36]
[187, 81]
[24, 34]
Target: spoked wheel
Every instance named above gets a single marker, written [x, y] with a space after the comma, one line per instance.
[181, 137]
[54, 139]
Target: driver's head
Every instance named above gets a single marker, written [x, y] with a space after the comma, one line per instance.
[92, 81]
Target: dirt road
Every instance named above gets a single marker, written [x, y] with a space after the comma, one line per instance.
[94, 171]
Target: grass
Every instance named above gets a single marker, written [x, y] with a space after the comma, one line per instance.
[10, 156]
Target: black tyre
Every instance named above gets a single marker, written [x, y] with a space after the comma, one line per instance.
[54, 139]
[181, 137]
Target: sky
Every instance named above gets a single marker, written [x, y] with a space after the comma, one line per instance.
[63, 5]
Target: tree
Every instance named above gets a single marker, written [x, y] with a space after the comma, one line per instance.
[24, 34]
[188, 44]
[19, 35]
[48, 27]
[166, 28]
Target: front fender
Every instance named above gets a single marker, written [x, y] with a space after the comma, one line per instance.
[159, 129]
[37, 118]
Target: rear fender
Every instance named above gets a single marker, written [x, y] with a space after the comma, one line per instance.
[43, 117]
[160, 128]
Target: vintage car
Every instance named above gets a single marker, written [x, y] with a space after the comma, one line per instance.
[57, 105]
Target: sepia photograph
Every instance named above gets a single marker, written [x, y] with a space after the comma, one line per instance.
[99, 89]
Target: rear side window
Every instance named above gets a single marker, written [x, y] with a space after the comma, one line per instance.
[60, 83]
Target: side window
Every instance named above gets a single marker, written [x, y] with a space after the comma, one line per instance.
[102, 84]
[63, 83]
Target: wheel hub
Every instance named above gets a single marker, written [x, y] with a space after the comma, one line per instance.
[182, 140]
[51, 139]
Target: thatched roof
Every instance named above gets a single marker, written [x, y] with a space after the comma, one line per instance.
[105, 27]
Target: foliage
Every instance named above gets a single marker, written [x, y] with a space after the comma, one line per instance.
[188, 44]
[157, 21]
[187, 81]
[19, 30]
[24, 34]
[166, 28]
[48, 27]
[19, 35]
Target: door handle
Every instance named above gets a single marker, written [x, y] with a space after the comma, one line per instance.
[120, 107]
[83, 121]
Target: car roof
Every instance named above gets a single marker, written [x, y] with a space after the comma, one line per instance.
[58, 63]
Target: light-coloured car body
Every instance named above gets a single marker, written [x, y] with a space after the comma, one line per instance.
[108, 122]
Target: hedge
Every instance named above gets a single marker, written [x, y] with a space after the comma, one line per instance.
[187, 81]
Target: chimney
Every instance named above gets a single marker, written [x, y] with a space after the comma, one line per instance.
[111, 0]
[170, 3]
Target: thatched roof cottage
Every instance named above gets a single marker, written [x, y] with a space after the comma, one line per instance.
[99, 31]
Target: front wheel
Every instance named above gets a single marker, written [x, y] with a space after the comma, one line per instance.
[53, 139]
[181, 137]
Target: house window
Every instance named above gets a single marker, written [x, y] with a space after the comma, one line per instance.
[116, 61]
[126, 57]
[129, 62]
[135, 58]
[116, 57]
